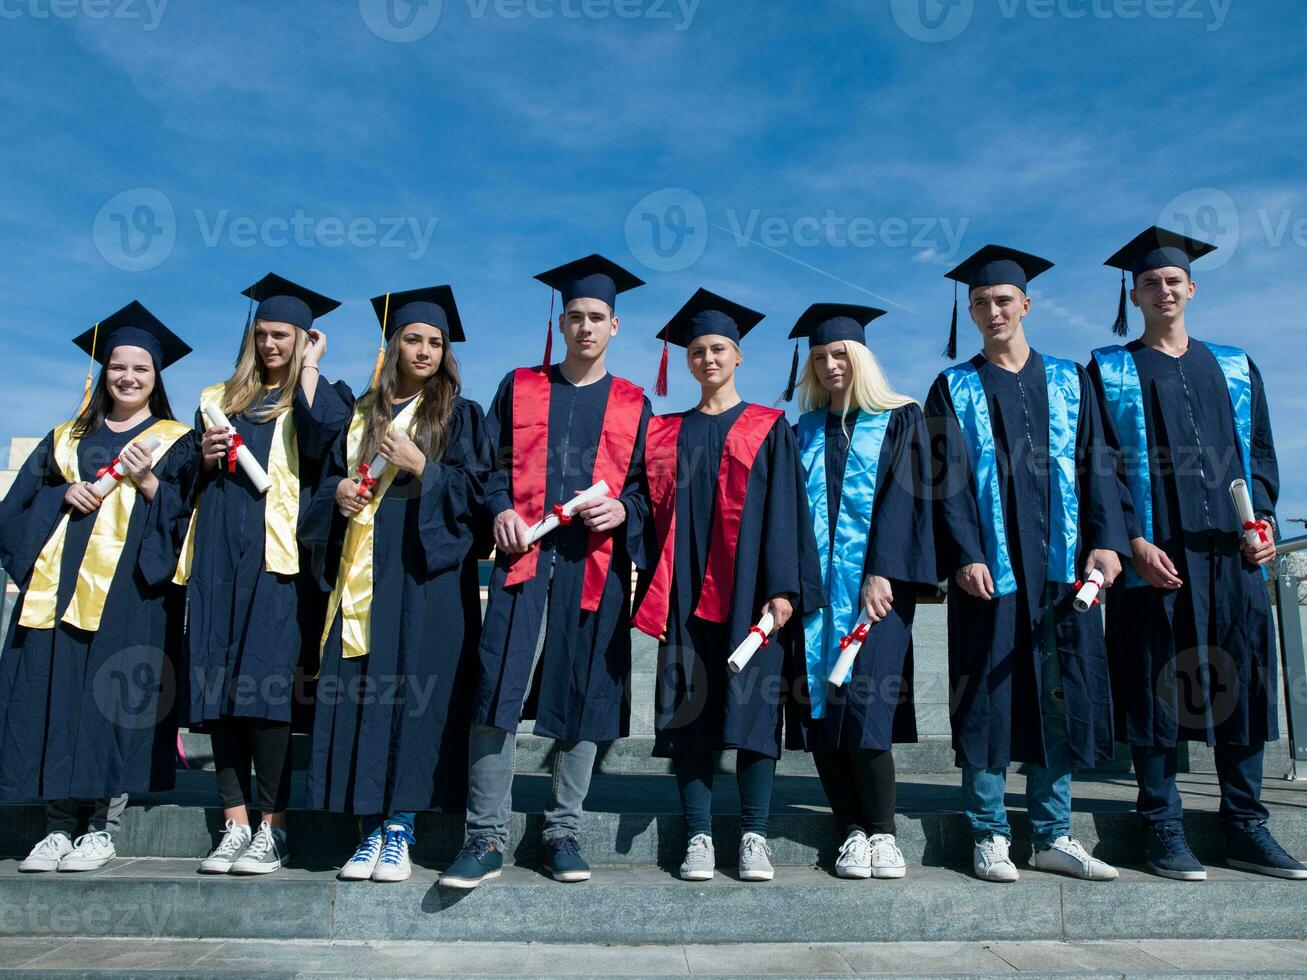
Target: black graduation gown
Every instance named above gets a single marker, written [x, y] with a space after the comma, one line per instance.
[248, 629]
[699, 703]
[579, 691]
[875, 708]
[89, 715]
[995, 646]
[390, 728]
[1196, 663]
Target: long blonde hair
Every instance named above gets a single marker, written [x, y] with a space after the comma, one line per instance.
[869, 389]
[248, 384]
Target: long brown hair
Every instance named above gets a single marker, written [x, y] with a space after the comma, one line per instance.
[248, 382]
[431, 422]
[100, 405]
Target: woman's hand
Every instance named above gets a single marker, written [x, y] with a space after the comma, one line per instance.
[1155, 566]
[348, 497]
[214, 445]
[139, 466]
[82, 498]
[877, 598]
[316, 349]
[399, 450]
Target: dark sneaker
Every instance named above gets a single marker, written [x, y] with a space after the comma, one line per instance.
[1254, 849]
[1169, 854]
[565, 862]
[480, 860]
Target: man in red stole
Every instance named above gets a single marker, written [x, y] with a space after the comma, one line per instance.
[556, 645]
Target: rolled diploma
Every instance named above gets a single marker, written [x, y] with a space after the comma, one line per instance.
[375, 469]
[745, 651]
[258, 476]
[540, 528]
[110, 480]
[1243, 503]
[1088, 591]
[849, 653]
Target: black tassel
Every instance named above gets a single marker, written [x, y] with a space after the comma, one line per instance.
[245, 337]
[794, 374]
[951, 351]
[1122, 326]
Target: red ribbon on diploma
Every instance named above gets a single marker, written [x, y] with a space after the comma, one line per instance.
[859, 635]
[765, 638]
[366, 480]
[1079, 585]
[110, 470]
[563, 519]
[236, 443]
[1260, 527]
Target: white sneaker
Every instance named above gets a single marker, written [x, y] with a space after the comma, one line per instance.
[991, 862]
[855, 857]
[234, 841]
[45, 856]
[394, 864]
[1067, 856]
[366, 855]
[755, 858]
[90, 852]
[267, 852]
[700, 859]
[886, 858]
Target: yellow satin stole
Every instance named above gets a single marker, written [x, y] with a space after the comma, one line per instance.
[103, 550]
[352, 595]
[281, 507]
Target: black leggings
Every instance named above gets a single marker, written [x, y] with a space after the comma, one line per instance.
[860, 786]
[239, 741]
[754, 774]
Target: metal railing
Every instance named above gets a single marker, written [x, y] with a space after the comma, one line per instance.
[1292, 659]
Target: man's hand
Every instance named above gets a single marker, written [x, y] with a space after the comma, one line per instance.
[1263, 550]
[1106, 561]
[511, 533]
[877, 597]
[348, 497]
[1154, 565]
[602, 514]
[82, 497]
[780, 609]
[975, 580]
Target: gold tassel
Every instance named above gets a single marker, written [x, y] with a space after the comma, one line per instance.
[86, 388]
[381, 352]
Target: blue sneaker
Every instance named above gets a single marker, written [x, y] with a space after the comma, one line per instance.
[1169, 854]
[364, 861]
[1253, 848]
[480, 860]
[566, 863]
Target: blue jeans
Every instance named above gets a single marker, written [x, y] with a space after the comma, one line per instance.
[1048, 787]
[370, 823]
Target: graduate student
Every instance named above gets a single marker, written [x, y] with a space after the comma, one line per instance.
[733, 542]
[1189, 624]
[1025, 509]
[864, 453]
[88, 681]
[252, 609]
[399, 664]
[556, 644]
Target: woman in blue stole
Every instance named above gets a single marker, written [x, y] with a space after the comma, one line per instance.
[863, 448]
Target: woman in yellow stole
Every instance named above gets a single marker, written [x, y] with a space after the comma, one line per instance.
[90, 531]
[399, 510]
[253, 620]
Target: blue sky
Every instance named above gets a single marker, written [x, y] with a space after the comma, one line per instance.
[778, 153]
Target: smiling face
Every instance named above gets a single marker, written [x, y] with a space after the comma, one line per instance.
[830, 363]
[421, 349]
[275, 343]
[713, 360]
[1163, 294]
[997, 312]
[129, 375]
[588, 325]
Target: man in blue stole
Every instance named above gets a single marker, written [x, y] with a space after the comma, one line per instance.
[1189, 625]
[1021, 515]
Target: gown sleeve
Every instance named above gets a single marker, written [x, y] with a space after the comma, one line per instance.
[902, 542]
[321, 526]
[167, 515]
[1102, 518]
[635, 498]
[958, 542]
[452, 492]
[788, 564]
[317, 425]
[1265, 490]
[1113, 457]
[30, 510]
[499, 431]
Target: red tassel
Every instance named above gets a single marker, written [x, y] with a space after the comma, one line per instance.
[660, 385]
[549, 335]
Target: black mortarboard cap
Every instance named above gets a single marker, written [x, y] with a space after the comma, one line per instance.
[133, 326]
[282, 301]
[430, 304]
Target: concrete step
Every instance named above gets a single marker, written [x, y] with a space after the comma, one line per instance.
[69, 957]
[168, 899]
[633, 820]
